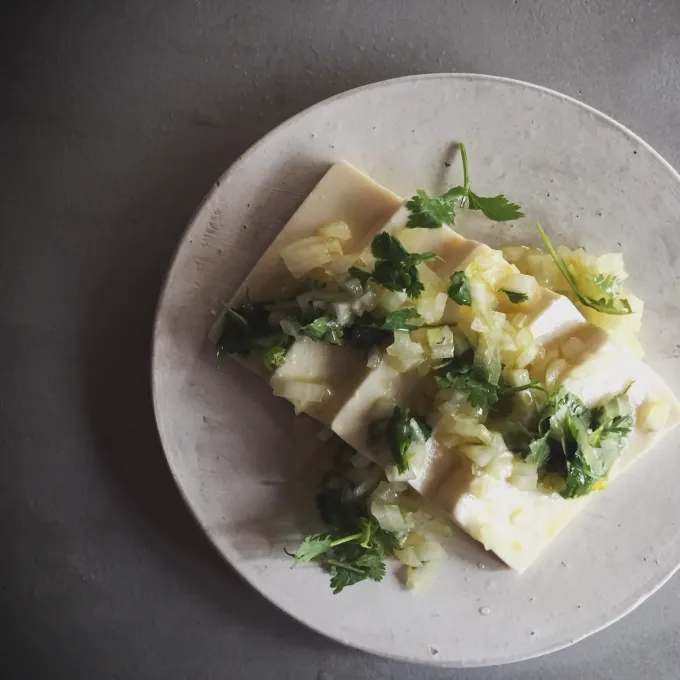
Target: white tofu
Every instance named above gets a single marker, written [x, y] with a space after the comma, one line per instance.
[518, 525]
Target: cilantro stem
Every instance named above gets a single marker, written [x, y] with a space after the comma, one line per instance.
[466, 175]
[344, 565]
[346, 539]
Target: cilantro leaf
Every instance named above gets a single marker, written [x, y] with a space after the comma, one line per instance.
[459, 289]
[274, 356]
[396, 269]
[360, 274]
[243, 327]
[402, 320]
[515, 298]
[429, 212]
[496, 208]
[313, 546]
[324, 328]
[462, 374]
[400, 431]
[343, 575]
[608, 304]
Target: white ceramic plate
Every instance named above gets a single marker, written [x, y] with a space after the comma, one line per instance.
[245, 470]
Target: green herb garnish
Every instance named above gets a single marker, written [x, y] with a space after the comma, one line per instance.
[405, 319]
[515, 298]
[244, 327]
[459, 289]
[433, 212]
[573, 442]
[608, 304]
[396, 269]
[354, 547]
[399, 431]
[463, 374]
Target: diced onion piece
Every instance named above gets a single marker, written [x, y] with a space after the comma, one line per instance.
[301, 393]
[652, 416]
[389, 517]
[421, 577]
[369, 300]
[408, 556]
[543, 268]
[572, 349]
[524, 476]
[431, 308]
[426, 548]
[392, 300]
[441, 342]
[501, 466]
[388, 493]
[354, 287]
[340, 264]
[393, 474]
[520, 283]
[290, 327]
[479, 454]
[337, 230]
[553, 372]
[375, 357]
[403, 353]
[343, 312]
[519, 320]
[310, 252]
[517, 377]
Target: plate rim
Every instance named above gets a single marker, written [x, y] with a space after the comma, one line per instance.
[628, 604]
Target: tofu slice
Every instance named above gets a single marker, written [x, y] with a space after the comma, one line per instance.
[344, 194]
[518, 525]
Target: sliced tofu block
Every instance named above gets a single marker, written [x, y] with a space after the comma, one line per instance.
[344, 194]
[518, 525]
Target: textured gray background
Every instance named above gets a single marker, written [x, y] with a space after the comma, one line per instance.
[116, 118]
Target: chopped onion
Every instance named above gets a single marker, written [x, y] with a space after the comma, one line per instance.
[337, 230]
[653, 415]
[408, 557]
[403, 353]
[375, 357]
[441, 342]
[553, 372]
[388, 492]
[426, 549]
[572, 349]
[354, 287]
[391, 300]
[310, 252]
[343, 312]
[431, 308]
[290, 327]
[524, 476]
[420, 578]
[389, 517]
[520, 283]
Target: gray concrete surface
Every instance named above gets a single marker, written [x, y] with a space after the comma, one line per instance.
[116, 118]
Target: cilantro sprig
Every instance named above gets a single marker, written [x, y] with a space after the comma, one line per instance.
[572, 442]
[459, 289]
[515, 297]
[354, 546]
[433, 212]
[395, 268]
[607, 304]
[463, 374]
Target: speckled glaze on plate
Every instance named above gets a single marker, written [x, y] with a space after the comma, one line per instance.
[246, 469]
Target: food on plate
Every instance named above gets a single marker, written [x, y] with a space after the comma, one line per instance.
[497, 389]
